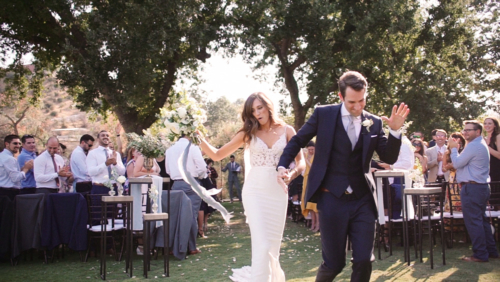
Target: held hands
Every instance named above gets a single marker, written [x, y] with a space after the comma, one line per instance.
[112, 159]
[398, 116]
[440, 157]
[283, 177]
[64, 172]
[452, 143]
[27, 166]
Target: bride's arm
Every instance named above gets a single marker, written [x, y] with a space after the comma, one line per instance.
[218, 154]
[299, 159]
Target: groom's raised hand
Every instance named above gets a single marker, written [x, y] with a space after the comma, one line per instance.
[398, 116]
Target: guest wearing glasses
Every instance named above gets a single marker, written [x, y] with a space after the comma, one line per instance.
[472, 167]
[49, 169]
[78, 163]
[10, 172]
[28, 152]
[435, 159]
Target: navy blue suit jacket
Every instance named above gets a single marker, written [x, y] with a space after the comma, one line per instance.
[322, 124]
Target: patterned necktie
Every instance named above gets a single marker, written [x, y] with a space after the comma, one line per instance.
[55, 170]
[109, 166]
[351, 132]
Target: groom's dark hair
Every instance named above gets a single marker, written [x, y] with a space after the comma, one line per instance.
[352, 79]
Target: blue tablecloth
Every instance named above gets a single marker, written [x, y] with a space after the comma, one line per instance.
[65, 221]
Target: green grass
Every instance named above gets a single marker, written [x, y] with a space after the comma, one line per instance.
[228, 246]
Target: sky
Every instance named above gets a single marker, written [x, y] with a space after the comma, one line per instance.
[234, 78]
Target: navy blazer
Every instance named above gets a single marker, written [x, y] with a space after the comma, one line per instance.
[322, 124]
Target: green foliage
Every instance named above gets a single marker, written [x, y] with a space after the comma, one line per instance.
[114, 55]
[222, 112]
[433, 58]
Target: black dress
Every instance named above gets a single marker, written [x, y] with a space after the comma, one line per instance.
[494, 164]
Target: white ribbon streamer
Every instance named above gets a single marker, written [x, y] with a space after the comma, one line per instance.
[204, 194]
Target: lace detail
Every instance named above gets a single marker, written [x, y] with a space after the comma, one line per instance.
[261, 155]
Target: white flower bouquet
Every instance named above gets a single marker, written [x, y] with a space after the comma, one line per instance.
[182, 117]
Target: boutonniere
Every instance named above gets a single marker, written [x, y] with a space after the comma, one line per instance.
[367, 123]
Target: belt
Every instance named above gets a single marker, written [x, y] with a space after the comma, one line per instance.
[471, 182]
[86, 182]
[98, 184]
[440, 176]
[323, 189]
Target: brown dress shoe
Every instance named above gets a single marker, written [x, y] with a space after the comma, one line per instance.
[197, 251]
[473, 259]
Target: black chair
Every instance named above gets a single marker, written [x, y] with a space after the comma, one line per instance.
[113, 226]
[454, 217]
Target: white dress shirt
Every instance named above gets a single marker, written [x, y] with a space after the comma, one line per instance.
[195, 165]
[441, 150]
[10, 173]
[96, 165]
[45, 175]
[79, 165]
[406, 158]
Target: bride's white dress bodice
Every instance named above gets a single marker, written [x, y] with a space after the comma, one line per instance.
[263, 156]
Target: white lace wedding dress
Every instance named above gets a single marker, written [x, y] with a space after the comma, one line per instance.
[265, 205]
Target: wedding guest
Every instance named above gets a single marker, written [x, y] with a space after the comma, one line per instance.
[420, 153]
[309, 208]
[233, 169]
[78, 164]
[49, 168]
[492, 128]
[28, 152]
[447, 164]
[11, 174]
[206, 210]
[197, 168]
[473, 172]
[100, 163]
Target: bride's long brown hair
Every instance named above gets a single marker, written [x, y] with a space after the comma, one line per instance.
[250, 123]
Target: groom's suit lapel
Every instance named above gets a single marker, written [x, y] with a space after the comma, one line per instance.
[334, 115]
[366, 135]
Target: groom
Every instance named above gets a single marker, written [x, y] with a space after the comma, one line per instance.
[340, 180]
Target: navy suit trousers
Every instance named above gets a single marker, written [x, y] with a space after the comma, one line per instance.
[342, 217]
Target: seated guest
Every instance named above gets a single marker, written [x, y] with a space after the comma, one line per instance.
[101, 161]
[49, 169]
[28, 152]
[419, 153]
[10, 173]
[83, 182]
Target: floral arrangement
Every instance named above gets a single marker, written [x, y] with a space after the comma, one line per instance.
[153, 195]
[416, 174]
[119, 179]
[183, 116]
[149, 145]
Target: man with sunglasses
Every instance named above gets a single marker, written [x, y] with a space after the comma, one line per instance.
[28, 152]
[473, 168]
[83, 182]
[10, 172]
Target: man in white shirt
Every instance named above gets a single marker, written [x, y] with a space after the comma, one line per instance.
[435, 159]
[83, 182]
[49, 169]
[198, 168]
[10, 173]
[101, 161]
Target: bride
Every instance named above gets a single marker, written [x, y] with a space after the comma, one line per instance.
[265, 201]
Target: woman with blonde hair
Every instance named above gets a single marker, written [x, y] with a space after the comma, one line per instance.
[264, 137]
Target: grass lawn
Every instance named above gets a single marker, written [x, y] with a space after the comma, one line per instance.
[228, 246]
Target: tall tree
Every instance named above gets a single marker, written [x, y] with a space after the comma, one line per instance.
[123, 56]
[434, 58]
